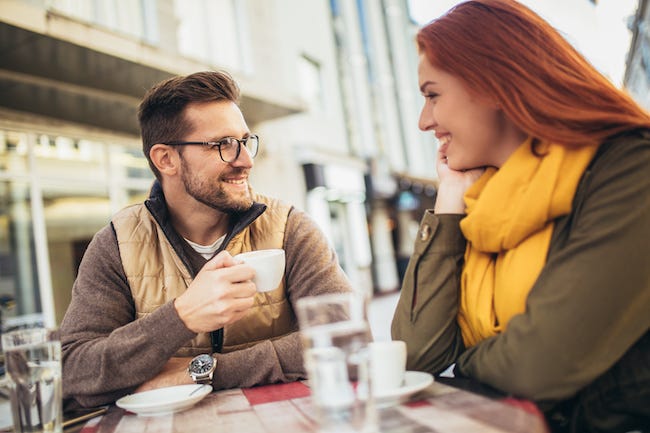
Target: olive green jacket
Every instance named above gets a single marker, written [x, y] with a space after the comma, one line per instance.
[584, 314]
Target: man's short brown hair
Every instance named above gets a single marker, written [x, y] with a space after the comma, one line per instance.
[161, 112]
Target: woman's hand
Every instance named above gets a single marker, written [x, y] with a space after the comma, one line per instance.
[452, 187]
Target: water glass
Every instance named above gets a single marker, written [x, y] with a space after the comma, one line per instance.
[335, 335]
[33, 366]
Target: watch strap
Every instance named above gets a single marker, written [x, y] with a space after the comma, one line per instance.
[203, 380]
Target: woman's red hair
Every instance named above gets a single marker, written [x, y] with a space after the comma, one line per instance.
[508, 54]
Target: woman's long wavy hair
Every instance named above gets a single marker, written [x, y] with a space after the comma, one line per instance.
[506, 53]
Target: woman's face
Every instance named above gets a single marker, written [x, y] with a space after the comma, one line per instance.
[473, 132]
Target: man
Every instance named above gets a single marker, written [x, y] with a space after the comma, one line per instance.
[158, 286]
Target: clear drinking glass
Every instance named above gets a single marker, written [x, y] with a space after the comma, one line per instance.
[335, 335]
[33, 366]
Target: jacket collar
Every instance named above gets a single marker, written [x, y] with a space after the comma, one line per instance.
[157, 205]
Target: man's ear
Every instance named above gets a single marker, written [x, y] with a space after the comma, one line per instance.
[165, 158]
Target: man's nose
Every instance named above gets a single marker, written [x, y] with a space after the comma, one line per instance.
[244, 159]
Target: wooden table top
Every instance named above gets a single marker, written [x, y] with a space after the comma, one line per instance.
[287, 408]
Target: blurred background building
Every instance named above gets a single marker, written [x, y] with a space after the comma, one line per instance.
[637, 72]
[329, 85]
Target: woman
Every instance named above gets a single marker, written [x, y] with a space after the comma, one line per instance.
[532, 272]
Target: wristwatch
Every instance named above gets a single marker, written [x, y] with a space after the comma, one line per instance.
[202, 368]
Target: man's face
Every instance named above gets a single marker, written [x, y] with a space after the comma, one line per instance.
[220, 185]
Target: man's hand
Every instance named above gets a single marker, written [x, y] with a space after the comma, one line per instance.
[173, 373]
[221, 293]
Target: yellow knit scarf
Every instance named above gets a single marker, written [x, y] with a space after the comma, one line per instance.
[509, 222]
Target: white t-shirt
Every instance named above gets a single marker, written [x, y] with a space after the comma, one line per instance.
[207, 251]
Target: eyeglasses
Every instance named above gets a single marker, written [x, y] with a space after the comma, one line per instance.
[229, 147]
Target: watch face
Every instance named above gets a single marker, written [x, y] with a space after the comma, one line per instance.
[201, 364]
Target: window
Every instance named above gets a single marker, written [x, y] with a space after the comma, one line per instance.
[311, 86]
[133, 18]
[213, 31]
[56, 192]
[18, 277]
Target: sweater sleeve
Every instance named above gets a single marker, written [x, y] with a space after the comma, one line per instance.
[106, 352]
[312, 268]
[590, 303]
[425, 317]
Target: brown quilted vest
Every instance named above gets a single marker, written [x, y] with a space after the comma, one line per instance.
[156, 275]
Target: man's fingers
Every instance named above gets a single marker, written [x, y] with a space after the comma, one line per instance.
[236, 316]
[221, 260]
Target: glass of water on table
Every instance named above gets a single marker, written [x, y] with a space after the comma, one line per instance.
[335, 335]
[33, 367]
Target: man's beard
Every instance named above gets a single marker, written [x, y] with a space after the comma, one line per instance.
[211, 192]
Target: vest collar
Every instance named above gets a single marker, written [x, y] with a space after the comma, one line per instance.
[157, 206]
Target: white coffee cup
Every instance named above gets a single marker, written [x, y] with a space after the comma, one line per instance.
[387, 365]
[268, 265]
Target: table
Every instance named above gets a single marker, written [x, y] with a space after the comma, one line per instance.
[287, 408]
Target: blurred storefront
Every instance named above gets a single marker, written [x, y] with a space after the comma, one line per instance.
[414, 196]
[56, 190]
[328, 84]
[71, 77]
[336, 197]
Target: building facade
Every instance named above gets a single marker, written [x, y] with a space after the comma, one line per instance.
[330, 86]
[637, 72]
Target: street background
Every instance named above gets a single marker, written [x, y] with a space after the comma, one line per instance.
[329, 85]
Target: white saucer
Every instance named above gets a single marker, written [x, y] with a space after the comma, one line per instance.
[164, 401]
[414, 381]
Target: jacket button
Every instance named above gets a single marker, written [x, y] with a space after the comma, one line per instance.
[425, 232]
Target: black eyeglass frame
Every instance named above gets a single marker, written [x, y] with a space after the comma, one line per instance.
[222, 142]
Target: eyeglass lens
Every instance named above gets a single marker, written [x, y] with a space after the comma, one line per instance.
[230, 149]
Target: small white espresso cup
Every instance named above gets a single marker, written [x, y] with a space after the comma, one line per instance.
[387, 365]
[268, 265]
